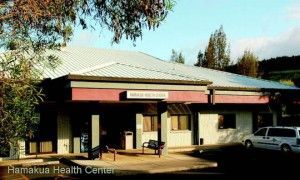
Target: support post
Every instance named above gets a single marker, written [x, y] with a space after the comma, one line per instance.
[94, 136]
[163, 126]
[139, 131]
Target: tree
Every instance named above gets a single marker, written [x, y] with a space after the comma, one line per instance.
[217, 52]
[19, 97]
[248, 64]
[178, 58]
[174, 56]
[210, 54]
[200, 59]
[30, 28]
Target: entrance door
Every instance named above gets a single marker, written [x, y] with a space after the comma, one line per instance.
[63, 135]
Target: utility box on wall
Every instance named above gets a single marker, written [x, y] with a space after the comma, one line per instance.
[201, 141]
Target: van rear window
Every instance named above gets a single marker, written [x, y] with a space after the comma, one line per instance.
[281, 132]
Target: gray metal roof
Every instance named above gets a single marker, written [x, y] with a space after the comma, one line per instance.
[130, 64]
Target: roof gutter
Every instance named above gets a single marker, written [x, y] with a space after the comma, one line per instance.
[234, 88]
[249, 89]
[134, 80]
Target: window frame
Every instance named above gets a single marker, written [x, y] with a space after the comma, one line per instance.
[263, 119]
[224, 127]
[178, 122]
[152, 122]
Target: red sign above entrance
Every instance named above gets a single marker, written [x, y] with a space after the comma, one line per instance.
[147, 95]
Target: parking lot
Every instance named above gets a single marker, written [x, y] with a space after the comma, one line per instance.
[237, 160]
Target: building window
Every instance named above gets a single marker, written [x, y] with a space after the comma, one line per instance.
[180, 122]
[150, 123]
[262, 120]
[227, 121]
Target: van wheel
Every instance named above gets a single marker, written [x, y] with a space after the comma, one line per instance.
[248, 144]
[286, 148]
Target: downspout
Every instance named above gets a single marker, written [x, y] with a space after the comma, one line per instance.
[212, 93]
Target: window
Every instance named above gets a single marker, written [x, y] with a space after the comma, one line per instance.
[262, 120]
[180, 122]
[261, 132]
[227, 121]
[277, 132]
[150, 123]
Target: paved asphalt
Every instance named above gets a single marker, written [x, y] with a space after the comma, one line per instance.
[236, 160]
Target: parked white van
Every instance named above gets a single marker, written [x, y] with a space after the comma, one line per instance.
[285, 139]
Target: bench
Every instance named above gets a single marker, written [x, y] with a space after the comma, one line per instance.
[97, 152]
[107, 149]
[153, 144]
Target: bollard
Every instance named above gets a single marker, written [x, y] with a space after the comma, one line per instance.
[115, 155]
[159, 152]
[100, 154]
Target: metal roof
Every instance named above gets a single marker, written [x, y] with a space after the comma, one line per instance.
[130, 64]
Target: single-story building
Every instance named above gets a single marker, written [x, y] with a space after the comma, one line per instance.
[99, 97]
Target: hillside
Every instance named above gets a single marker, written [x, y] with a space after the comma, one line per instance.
[284, 69]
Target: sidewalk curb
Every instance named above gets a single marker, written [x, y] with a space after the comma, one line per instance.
[22, 162]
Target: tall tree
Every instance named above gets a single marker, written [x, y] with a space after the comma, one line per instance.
[174, 56]
[248, 64]
[178, 58]
[200, 59]
[217, 52]
[210, 53]
[29, 28]
[222, 49]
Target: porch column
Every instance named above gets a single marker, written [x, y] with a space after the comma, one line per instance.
[163, 125]
[76, 144]
[200, 138]
[94, 133]
[139, 130]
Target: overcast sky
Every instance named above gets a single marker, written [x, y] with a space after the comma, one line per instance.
[270, 28]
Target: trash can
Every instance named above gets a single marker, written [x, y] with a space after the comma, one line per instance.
[127, 140]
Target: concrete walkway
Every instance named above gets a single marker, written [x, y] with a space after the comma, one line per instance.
[128, 162]
[132, 162]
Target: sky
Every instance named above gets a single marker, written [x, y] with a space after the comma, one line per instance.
[269, 28]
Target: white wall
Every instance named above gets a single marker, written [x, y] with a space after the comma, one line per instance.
[146, 136]
[208, 128]
[64, 134]
[180, 138]
[175, 138]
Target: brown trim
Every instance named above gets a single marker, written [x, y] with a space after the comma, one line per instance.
[136, 80]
